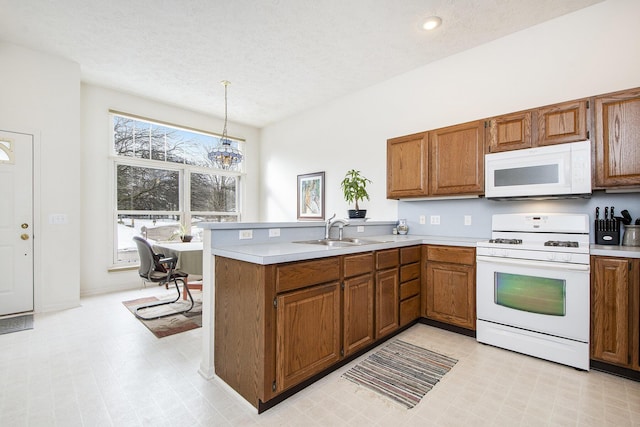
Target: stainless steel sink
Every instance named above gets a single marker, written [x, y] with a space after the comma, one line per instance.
[339, 243]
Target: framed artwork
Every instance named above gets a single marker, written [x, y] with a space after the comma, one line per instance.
[311, 196]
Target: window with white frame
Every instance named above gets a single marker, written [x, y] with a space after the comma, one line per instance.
[165, 184]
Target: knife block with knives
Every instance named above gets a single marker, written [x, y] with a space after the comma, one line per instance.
[608, 228]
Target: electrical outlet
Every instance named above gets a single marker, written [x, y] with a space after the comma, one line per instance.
[423, 219]
[274, 232]
[246, 234]
[435, 219]
[467, 220]
[360, 229]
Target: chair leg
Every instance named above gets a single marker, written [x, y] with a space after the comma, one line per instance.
[156, 304]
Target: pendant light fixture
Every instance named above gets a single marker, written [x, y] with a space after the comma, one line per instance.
[224, 155]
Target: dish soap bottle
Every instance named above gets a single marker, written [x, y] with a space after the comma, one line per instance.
[403, 228]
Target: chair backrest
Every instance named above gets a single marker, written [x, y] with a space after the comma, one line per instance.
[145, 253]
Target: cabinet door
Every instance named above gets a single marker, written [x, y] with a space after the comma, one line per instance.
[409, 310]
[561, 123]
[610, 310]
[387, 302]
[407, 162]
[456, 163]
[450, 294]
[617, 129]
[307, 333]
[358, 313]
[509, 132]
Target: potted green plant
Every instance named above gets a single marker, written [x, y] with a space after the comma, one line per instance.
[354, 188]
[182, 233]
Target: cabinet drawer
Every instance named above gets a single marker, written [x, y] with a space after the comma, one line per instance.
[409, 272]
[409, 310]
[306, 273]
[387, 259]
[355, 265]
[409, 255]
[409, 289]
[451, 254]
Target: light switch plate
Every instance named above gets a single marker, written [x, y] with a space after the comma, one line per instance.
[360, 229]
[58, 218]
[467, 220]
[423, 219]
[435, 219]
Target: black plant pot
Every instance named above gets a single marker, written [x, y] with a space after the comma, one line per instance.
[186, 238]
[362, 213]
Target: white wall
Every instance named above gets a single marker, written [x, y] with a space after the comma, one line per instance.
[97, 177]
[41, 95]
[592, 51]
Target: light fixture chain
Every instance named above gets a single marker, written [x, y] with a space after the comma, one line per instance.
[226, 84]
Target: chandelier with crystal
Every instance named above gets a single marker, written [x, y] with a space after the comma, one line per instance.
[224, 155]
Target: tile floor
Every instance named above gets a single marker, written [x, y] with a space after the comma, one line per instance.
[96, 365]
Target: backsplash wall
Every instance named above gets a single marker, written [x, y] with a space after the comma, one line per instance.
[453, 211]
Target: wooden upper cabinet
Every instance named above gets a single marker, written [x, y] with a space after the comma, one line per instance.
[560, 123]
[457, 159]
[407, 162]
[617, 139]
[509, 132]
[553, 124]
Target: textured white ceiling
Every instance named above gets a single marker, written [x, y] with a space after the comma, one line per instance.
[282, 56]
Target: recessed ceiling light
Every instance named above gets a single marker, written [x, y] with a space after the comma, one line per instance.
[432, 22]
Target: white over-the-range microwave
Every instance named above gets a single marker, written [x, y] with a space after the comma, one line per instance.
[562, 170]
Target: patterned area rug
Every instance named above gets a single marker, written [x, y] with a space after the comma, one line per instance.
[172, 324]
[401, 371]
[15, 324]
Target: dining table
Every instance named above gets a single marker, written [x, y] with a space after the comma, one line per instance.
[189, 259]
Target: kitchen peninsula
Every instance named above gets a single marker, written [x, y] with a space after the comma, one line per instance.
[252, 287]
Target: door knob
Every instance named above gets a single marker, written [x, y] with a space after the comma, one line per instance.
[25, 225]
[24, 236]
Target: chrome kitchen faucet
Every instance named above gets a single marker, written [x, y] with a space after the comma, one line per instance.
[331, 222]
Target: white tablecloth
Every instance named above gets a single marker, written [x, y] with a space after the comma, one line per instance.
[189, 255]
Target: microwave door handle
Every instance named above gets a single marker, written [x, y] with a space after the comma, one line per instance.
[529, 263]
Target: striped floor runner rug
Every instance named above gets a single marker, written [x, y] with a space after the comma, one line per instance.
[401, 371]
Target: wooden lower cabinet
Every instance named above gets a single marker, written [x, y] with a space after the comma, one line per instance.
[449, 291]
[308, 333]
[615, 311]
[410, 284]
[358, 313]
[277, 326]
[387, 288]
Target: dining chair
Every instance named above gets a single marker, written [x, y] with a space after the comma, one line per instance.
[157, 269]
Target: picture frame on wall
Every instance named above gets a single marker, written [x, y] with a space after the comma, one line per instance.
[311, 196]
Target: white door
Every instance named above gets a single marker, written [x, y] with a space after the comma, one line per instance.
[16, 222]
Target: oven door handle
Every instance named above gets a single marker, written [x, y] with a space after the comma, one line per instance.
[530, 263]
